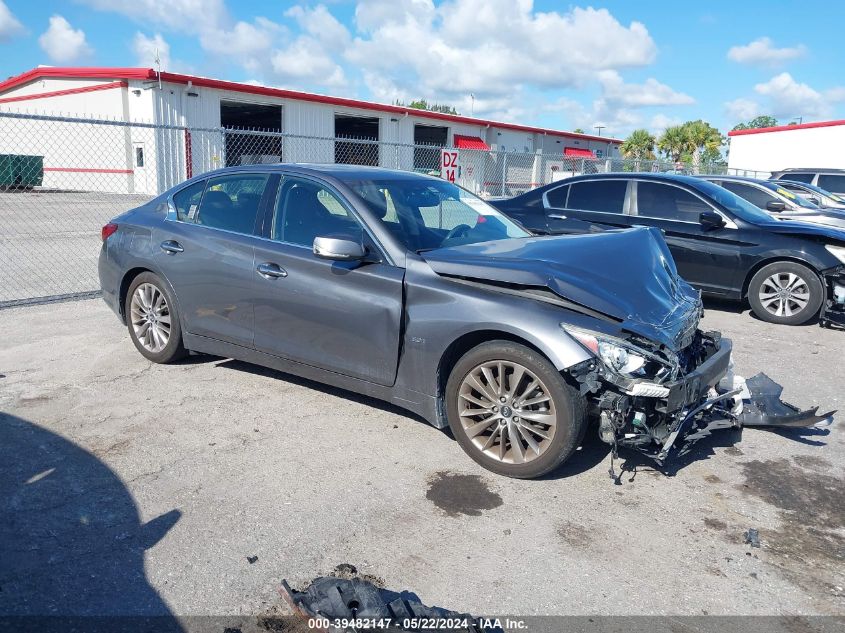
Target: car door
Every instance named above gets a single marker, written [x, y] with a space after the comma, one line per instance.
[205, 250]
[584, 206]
[344, 317]
[707, 258]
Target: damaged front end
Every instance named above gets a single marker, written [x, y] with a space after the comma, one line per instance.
[833, 307]
[660, 402]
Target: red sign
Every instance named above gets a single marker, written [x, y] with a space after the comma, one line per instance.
[449, 165]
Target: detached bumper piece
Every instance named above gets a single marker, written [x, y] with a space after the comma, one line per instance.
[339, 604]
[765, 408]
[753, 402]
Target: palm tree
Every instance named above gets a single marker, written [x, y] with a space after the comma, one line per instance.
[639, 145]
[701, 136]
[674, 142]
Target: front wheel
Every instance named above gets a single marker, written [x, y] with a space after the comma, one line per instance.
[153, 319]
[786, 293]
[512, 412]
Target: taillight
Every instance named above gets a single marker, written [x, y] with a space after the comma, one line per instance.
[108, 230]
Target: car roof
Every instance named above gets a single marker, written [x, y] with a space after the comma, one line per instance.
[754, 181]
[617, 175]
[813, 169]
[338, 172]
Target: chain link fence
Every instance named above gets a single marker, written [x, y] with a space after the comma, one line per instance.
[62, 179]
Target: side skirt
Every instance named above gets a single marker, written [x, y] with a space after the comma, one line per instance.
[421, 404]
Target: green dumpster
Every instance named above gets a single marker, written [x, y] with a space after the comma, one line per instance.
[20, 170]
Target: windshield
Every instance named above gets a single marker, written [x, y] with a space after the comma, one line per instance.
[819, 190]
[740, 207]
[792, 197]
[425, 214]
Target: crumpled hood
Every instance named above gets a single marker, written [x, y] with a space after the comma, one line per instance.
[628, 275]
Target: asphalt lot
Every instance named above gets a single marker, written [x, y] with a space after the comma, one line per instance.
[130, 487]
[42, 232]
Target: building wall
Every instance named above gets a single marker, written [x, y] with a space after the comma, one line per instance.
[802, 147]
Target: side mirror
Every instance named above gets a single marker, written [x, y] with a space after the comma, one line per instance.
[814, 200]
[775, 206]
[710, 220]
[339, 249]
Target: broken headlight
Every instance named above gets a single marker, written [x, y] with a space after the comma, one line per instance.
[618, 355]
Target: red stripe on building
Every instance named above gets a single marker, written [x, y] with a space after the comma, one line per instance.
[784, 128]
[69, 91]
[89, 170]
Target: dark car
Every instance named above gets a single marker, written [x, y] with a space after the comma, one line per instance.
[780, 203]
[832, 180]
[788, 271]
[410, 289]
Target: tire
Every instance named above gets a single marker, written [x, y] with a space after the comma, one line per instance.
[802, 296]
[159, 341]
[555, 425]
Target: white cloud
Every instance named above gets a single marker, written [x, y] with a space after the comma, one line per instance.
[790, 98]
[649, 93]
[9, 24]
[146, 48]
[763, 51]
[192, 16]
[743, 109]
[62, 42]
[437, 51]
[305, 62]
[320, 24]
[247, 43]
[659, 123]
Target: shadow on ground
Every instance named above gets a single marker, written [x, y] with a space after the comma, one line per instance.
[71, 539]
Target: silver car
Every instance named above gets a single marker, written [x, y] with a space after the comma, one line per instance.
[412, 290]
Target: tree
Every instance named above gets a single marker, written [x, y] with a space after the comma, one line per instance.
[422, 104]
[757, 122]
[579, 130]
[674, 142]
[701, 136]
[639, 145]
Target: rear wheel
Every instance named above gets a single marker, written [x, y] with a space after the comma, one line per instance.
[785, 292]
[512, 412]
[153, 319]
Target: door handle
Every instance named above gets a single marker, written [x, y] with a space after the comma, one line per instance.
[269, 270]
[557, 216]
[171, 247]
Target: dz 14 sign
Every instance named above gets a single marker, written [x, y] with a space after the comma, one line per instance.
[450, 168]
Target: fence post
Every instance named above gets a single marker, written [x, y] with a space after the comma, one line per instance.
[504, 171]
[189, 158]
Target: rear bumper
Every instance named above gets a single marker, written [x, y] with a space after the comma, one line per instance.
[109, 280]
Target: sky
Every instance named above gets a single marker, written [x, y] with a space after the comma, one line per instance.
[621, 65]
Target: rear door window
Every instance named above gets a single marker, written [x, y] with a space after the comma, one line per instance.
[607, 196]
[667, 202]
[755, 196]
[231, 202]
[557, 197]
[832, 182]
[187, 201]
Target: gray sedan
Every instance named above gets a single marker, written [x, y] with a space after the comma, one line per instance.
[410, 289]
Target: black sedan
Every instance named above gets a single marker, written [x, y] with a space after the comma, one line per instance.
[788, 271]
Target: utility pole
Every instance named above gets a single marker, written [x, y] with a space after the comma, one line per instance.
[599, 128]
[472, 104]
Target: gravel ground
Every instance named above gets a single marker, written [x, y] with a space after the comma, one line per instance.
[129, 487]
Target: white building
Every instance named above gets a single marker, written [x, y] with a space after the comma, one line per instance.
[188, 117]
[818, 145]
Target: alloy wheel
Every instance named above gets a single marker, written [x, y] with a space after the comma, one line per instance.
[506, 411]
[150, 317]
[784, 294]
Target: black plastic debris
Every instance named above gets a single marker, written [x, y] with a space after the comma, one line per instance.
[251, 559]
[752, 537]
[330, 599]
